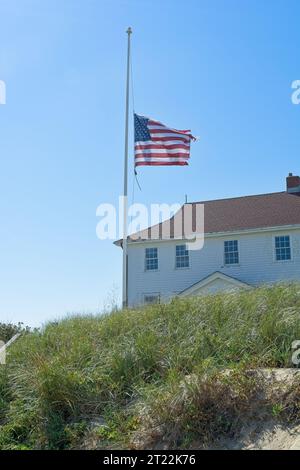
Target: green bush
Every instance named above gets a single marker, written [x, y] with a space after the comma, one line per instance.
[8, 330]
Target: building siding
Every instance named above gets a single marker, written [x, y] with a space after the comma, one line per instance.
[256, 266]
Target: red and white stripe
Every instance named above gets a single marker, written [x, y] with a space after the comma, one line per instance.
[166, 147]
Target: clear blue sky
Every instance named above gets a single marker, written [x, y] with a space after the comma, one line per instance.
[222, 68]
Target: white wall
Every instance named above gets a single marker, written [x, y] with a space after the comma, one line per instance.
[256, 255]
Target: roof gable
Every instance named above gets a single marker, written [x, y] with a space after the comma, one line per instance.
[214, 282]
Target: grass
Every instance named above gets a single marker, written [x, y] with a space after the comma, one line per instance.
[148, 374]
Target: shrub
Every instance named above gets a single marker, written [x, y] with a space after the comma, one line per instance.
[8, 330]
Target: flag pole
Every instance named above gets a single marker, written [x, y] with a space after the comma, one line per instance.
[125, 193]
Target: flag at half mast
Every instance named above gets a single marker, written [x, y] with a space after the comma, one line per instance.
[157, 144]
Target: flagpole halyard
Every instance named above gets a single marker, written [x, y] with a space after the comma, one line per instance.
[125, 192]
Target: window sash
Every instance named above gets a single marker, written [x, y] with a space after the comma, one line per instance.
[151, 259]
[150, 299]
[231, 252]
[182, 257]
[283, 248]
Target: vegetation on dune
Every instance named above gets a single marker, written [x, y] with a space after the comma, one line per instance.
[135, 377]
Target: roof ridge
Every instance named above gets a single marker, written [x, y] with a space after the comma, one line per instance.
[236, 197]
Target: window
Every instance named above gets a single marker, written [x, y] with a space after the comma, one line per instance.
[151, 259]
[182, 257]
[283, 248]
[231, 252]
[151, 299]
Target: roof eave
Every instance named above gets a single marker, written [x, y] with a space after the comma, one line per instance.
[214, 234]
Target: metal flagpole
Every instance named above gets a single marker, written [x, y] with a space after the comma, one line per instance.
[125, 194]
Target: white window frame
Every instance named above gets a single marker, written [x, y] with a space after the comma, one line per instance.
[183, 267]
[238, 252]
[274, 248]
[145, 262]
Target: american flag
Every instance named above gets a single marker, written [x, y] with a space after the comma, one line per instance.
[157, 144]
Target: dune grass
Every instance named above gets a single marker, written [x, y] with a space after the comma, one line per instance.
[101, 381]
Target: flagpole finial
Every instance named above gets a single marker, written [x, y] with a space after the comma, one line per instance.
[129, 30]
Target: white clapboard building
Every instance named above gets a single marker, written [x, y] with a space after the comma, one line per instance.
[248, 241]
